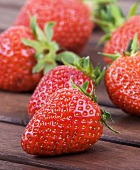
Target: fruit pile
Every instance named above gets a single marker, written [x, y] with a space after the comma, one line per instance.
[41, 53]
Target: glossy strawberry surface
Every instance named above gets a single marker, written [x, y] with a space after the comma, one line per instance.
[72, 18]
[122, 80]
[55, 79]
[120, 38]
[68, 122]
[17, 60]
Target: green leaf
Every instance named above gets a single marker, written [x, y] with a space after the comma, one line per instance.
[67, 57]
[72, 84]
[108, 116]
[95, 97]
[48, 29]
[82, 89]
[117, 15]
[133, 10]
[104, 117]
[113, 57]
[97, 71]
[49, 67]
[38, 67]
[33, 25]
[38, 56]
[45, 49]
[134, 45]
[86, 62]
[84, 86]
[100, 76]
[104, 38]
[110, 18]
[31, 43]
[87, 66]
[40, 36]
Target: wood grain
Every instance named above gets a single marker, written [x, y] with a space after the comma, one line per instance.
[16, 166]
[13, 107]
[112, 152]
[127, 125]
[14, 110]
[101, 155]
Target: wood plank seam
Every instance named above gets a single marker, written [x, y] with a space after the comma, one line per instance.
[104, 137]
[21, 160]
[107, 138]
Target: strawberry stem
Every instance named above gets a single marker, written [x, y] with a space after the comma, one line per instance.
[104, 117]
[82, 89]
[104, 114]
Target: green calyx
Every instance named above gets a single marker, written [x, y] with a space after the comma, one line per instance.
[92, 95]
[132, 49]
[86, 67]
[83, 89]
[107, 116]
[112, 17]
[113, 57]
[133, 46]
[96, 6]
[46, 50]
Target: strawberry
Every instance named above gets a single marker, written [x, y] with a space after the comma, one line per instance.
[73, 19]
[68, 122]
[120, 38]
[119, 29]
[17, 61]
[122, 80]
[25, 54]
[59, 77]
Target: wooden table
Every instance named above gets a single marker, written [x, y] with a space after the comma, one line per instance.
[111, 152]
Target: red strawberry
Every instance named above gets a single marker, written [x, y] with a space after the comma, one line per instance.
[73, 20]
[122, 80]
[120, 38]
[20, 63]
[17, 61]
[59, 77]
[119, 29]
[69, 122]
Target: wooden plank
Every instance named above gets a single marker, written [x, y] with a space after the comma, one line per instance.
[13, 107]
[127, 125]
[7, 18]
[102, 155]
[15, 166]
[12, 4]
